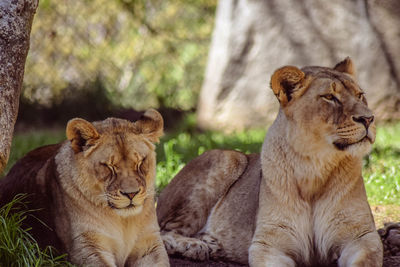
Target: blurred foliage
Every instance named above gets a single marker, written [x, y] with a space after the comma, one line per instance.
[144, 53]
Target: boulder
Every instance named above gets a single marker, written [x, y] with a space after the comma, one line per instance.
[253, 38]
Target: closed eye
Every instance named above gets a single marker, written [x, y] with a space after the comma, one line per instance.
[109, 167]
[140, 167]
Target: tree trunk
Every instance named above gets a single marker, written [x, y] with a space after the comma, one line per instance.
[15, 26]
[253, 38]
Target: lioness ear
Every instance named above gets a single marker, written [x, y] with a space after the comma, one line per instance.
[346, 66]
[81, 133]
[151, 125]
[285, 81]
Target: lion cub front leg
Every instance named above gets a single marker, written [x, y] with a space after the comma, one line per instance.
[89, 251]
[153, 254]
[201, 247]
[366, 251]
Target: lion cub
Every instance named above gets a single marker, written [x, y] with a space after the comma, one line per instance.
[95, 192]
[302, 201]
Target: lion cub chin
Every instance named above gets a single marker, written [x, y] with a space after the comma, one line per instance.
[302, 201]
[95, 192]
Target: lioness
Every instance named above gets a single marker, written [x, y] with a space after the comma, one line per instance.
[95, 192]
[302, 201]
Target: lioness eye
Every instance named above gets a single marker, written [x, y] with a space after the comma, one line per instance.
[109, 168]
[360, 96]
[329, 97]
[140, 166]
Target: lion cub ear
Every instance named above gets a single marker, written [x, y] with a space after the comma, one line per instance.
[151, 125]
[285, 82]
[81, 133]
[346, 66]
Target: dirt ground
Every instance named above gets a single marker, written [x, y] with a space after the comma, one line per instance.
[393, 261]
[180, 262]
[385, 213]
[390, 235]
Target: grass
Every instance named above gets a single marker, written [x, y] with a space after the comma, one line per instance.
[381, 168]
[381, 171]
[17, 247]
[178, 148]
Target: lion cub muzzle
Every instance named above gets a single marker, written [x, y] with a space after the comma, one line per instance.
[126, 192]
[129, 195]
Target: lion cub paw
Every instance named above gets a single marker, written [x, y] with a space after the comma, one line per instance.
[214, 248]
[186, 246]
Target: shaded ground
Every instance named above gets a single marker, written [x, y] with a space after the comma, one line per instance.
[390, 235]
[390, 261]
[180, 262]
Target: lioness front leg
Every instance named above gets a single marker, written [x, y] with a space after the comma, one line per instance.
[260, 254]
[158, 257]
[366, 251]
[88, 251]
[155, 256]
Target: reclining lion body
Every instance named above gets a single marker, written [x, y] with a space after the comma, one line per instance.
[302, 202]
[94, 193]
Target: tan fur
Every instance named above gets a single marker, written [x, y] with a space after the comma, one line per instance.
[310, 208]
[98, 189]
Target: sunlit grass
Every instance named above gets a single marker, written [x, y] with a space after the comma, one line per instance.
[177, 150]
[381, 173]
[382, 167]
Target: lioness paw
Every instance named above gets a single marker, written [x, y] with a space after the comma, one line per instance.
[196, 249]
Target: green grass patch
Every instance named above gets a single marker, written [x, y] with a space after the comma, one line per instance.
[382, 167]
[178, 149]
[381, 173]
[17, 246]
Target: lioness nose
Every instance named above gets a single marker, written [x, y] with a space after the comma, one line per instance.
[130, 195]
[365, 120]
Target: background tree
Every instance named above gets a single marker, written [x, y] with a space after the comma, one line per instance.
[15, 26]
[136, 53]
[253, 38]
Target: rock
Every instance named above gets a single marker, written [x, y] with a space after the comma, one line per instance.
[253, 38]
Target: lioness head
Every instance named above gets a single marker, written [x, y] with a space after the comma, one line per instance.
[325, 108]
[113, 161]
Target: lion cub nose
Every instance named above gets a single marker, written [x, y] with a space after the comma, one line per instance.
[365, 120]
[130, 195]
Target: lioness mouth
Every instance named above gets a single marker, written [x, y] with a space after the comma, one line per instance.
[343, 146]
[126, 207]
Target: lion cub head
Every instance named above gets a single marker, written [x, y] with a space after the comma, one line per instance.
[112, 162]
[325, 108]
